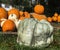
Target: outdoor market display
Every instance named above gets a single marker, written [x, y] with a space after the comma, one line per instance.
[33, 29]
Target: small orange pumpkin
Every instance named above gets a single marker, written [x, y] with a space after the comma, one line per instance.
[39, 9]
[58, 19]
[8, 25]
[56, 14]
[54, 18]
[26, 15]
[14, 11]
[21, 13]
[22, 18]
[49, 19]
[3, 13]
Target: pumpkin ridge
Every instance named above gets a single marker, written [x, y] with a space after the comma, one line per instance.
[33, 33]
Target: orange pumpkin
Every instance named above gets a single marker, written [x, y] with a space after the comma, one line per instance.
[3, 13]
[22, 18]
[26, 15]
[39, 9]
[56, 14]
[21, 13]
[58, 19]
[8, 25]
[39, 17]
[49, 19]
[54, 18]
[14, 11]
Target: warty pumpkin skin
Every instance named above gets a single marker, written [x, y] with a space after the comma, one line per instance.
[3, 13]
[39, 9]
[32, 32]
[14, 11]
[8, 25]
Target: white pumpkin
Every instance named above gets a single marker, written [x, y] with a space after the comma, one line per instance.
[44, 21]
[35, 33]
[14, 18]
[2, 21]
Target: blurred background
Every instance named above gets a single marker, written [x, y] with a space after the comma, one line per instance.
[51, 6]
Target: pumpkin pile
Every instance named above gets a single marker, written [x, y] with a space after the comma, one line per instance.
[9, 20]
[33, 28]
[16, 16]
[54, 18]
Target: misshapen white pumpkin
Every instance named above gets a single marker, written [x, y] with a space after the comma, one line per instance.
[35, 33]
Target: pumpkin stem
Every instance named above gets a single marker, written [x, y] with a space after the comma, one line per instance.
[12, 15]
